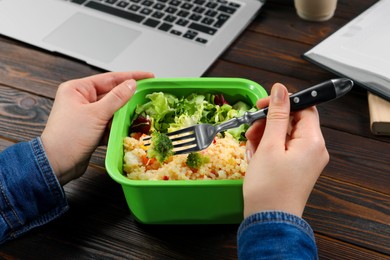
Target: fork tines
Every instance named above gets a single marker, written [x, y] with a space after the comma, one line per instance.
[186, 130]
[183, 140]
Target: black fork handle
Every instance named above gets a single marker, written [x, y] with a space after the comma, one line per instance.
[320, 93]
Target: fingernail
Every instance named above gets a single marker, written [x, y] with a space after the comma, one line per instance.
[248, 154]
[132, 85]
[278, 94]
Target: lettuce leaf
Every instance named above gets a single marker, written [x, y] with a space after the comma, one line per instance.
[169, 113]
[161, 110]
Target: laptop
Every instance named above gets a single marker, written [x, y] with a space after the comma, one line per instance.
[171, 38]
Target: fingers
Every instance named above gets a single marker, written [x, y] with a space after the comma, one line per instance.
[253, 136]
[306, 124]
[256, 130]
[116, 98]
[278, 117]
[104, 82]
[263, 102]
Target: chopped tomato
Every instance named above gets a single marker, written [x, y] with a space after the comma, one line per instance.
[148, 161]
[145, 160]
[152, 164]
[136, 135]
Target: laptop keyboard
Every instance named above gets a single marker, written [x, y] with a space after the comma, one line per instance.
[196, 20]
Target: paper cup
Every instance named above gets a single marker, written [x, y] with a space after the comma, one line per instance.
[315, 10]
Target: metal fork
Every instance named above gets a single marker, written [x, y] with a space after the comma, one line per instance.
[199, 137]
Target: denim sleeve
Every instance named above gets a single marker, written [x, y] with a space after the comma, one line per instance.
[275, 235]
[30, 194]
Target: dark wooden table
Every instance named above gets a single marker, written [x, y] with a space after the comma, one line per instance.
[349, 208]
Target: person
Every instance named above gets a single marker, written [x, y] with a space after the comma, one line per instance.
[291, 153]
[289, 150]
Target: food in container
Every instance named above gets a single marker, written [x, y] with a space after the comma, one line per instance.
[223, 159]
[200, 201]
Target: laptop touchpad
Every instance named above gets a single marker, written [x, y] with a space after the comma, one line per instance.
[92, 37]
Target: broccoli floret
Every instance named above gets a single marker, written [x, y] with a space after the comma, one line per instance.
[196, 160]
[161, 147]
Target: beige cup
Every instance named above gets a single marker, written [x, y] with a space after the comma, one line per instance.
[315, 10]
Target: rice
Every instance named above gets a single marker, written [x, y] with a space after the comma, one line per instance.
[226, 154]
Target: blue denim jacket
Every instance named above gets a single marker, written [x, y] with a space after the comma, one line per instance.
[30, 194]
[275, 235]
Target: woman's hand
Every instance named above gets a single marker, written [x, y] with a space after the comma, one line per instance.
[81, 112]
[286, 155]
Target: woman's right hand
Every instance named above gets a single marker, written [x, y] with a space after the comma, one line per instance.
[286, 154]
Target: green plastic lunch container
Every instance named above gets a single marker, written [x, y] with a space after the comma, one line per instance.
[179, 201]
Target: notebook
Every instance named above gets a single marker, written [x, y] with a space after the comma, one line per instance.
[360, 50]
[172, 38]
